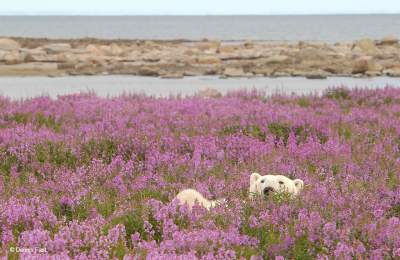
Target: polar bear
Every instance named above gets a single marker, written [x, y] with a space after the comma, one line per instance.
[191, 197]
[259, 185]
[268, 184]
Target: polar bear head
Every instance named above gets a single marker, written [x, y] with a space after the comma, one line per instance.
[268, 184]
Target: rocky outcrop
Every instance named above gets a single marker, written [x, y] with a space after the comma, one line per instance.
[234, 72]
[389, 40]
[9, 44]
[366, 45]
[317, 74]
[209, 93]
[277, 59]
[176, 59]
[395, 72]
[172, 75]
[148, 71]
[55, 48]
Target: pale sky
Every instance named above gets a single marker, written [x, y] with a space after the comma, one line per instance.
[201, 7]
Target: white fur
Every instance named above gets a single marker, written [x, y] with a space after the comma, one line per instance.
[276, 183]
[190, 197]
[258, 183]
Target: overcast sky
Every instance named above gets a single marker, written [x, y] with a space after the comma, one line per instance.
[202, 7]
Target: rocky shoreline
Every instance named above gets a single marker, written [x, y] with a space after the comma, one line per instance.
[179, 58]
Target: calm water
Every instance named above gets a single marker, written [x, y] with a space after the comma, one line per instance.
[331, 28]
[27, 87]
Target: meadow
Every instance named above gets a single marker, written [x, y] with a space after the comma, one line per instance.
[85, 177]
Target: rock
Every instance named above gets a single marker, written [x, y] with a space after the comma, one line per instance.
[234, 72]
[226, 49]
[277, 59]
[336, 68]
[9, 44]
[2, 54]
[297, 73]
[172, 75]
[192, 73]
[366, 45]
[122, 69]
[62, 57]
[190, 52]
[281, 74]
[29, 58]
[210, 51]
[373, 73]
[211, 71]
[389, 63]
[209, 93]
[66, 66]
[29, 69]
[90, 71]
[208, 60]
[105, 50]
[37, 51]
[85, 68]
[55, 48]
[148, 43]
[172, 59]
[207, 45]
[14, 57]
[318, 74]
[245, 54]
[187, 60]
[92, 48]
[79, 51]
[388, 52]
[249, 44]
[374, 66]
[362, 65]
[148, 71]
[389, 40]
[132, 56]
[356, 51]
[310, 53]
[154, 56]
[395, 72]
[116, 50]
[262, 71]
[301, 44]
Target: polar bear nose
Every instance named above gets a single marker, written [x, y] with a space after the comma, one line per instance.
[267, 190]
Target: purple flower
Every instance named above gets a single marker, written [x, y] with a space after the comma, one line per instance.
[94, 178]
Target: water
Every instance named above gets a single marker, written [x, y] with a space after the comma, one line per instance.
[27, 87]
[329, 28]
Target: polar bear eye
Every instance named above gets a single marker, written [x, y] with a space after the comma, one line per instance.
[262, 181]
[280, 182]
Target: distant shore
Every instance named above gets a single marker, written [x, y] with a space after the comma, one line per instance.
[180, 58]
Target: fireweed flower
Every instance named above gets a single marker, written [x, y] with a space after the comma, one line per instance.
[95, 178]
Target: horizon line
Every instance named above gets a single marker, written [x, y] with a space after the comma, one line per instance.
[216, 14]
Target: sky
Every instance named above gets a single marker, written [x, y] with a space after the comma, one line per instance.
[197, 7]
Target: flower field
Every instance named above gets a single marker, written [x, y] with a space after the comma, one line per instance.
[85, 177]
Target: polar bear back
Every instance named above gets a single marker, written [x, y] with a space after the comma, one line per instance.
[191, 196]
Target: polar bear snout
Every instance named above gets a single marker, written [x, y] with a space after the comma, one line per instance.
[268, 190]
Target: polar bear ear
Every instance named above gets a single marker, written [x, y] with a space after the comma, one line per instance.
[299, 184]
[254, 177]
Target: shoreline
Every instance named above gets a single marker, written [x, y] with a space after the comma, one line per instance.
[179, 58]
[17, 88]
